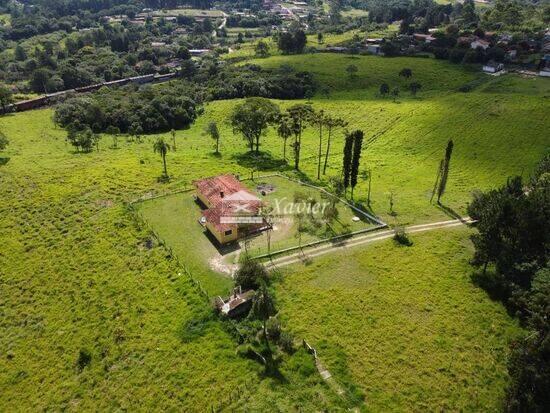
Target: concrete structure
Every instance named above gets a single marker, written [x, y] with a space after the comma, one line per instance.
[238, 304]
[493, 67]
[484, 44]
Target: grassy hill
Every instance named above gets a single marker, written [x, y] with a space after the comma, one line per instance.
[404, 324]
[79, 274]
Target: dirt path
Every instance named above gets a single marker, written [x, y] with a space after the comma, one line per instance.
[360, 240]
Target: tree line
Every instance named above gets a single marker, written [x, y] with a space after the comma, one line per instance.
[512, 255]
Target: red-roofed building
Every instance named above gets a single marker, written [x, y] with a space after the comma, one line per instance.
[231, 209]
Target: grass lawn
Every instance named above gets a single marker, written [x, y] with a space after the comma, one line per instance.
[404, 324]
[285, 233]
[175, 218]
[77, 273]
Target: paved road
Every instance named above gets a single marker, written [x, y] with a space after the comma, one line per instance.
[364, 239]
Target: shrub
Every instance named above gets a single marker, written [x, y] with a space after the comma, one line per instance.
[84, 358]
[400, 235]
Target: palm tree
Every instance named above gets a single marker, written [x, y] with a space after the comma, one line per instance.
[162, 147]
[173, 133]
[263, 307]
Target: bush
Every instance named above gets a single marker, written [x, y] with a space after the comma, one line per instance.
[400, 235]
[84, 358]
[249, 274]
[286, 341]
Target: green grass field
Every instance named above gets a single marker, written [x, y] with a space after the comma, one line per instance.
[77, 274]
[404, 324]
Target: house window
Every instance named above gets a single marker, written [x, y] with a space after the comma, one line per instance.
[229, 232]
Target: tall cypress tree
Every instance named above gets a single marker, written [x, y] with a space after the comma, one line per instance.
[445, 171]
[357, 146]
[348, 155]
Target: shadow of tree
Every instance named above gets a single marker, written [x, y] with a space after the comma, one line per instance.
[451, 212]
[4, 161]
[262, 161]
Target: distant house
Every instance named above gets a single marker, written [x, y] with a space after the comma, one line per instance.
[374, 49]
[544, 66]
[484, 44]
[231, 210]
[493, 67]
[198, 52]
[239, 303]
[158, 44]
[336, 49]
[426, 38]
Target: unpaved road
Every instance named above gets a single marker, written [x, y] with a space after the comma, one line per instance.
[360, 240]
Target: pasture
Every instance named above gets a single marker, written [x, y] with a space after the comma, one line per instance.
[403, 324]
[80, 274]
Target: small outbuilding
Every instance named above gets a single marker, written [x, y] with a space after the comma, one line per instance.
[493, 67]
[238, 304]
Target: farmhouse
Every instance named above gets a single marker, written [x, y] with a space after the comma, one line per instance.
[484, 44]
[231, 210]
[544, 66]
[426, 38]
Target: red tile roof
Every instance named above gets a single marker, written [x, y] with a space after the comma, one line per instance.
[213, 187]
[236, 200]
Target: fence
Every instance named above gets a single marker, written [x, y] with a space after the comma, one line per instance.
[143, 223]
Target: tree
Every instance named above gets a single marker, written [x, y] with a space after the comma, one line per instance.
[395, 93]
[263, 307]
[162, 148]
[468, 13]
[6, 98]
[384, 89]
[173, 134]
[251, 274]
[284, 130]
[4, 142]
[262, 49]
[83, 139]
[513, 227]
[136, 131]
[335, 7]
[212, 130]
[20, 54]
[445, 171]
[318, 120]
[331, 124]
[357, 147]
[252, 118]
[114, 132]
[292, 42]
[298, 115]
[406, 73]
[351, 71]
[320, 37]
[347, 159]
[300, 41]
[183, 53]
[414, 87]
